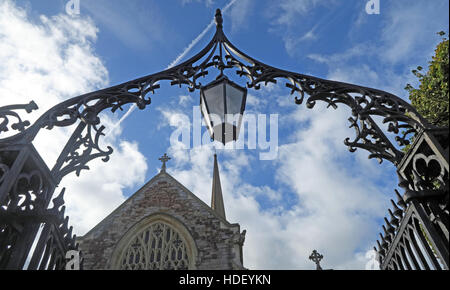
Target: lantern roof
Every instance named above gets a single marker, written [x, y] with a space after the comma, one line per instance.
[222, 56]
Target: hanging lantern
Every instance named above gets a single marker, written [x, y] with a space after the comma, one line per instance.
[222, 103]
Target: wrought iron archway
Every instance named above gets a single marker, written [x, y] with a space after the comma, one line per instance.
[423, 171]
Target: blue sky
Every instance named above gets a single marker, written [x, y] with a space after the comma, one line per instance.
[314, 195]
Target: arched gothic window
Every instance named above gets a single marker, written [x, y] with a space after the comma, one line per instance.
[155, 244]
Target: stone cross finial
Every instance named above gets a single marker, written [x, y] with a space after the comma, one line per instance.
[164, 159]
[316, 258]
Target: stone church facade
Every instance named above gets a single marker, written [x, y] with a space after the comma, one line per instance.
[165, 226]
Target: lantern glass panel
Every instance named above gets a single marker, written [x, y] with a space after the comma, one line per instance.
[214, 100]
[206, 115]
[234, 99]
[222, 105]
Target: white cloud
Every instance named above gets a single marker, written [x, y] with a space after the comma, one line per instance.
[291, 9]
[185, 99]
[97, 192]
[54, 58]
[255, 103]
[297, 22]
[411, 28]
[133, 24]
[407, 38]
[239, 14]
[308, 35]
[51, 60]
[361, 74]
[358, 50]
[291, 42]
[334, 204]
[208, 3]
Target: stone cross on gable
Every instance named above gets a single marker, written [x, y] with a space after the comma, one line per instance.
[316, 258]
[164, 159]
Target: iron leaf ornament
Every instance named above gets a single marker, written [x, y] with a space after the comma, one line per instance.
[220, 55]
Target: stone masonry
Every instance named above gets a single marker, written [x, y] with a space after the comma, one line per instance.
[218, 243]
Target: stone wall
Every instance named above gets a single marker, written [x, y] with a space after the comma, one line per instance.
[218, 243]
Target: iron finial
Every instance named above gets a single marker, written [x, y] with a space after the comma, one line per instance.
[394, 221]
[401, 202]
[389, 227]
[384, 244]
[381, 250]
[387, 235]
[219, 19]
[397, 211]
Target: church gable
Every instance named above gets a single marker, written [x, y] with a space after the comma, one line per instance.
[197, 237]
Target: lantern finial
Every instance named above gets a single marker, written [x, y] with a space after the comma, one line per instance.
[219, 19]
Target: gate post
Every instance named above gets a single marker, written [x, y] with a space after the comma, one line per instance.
[419, 233]
[26, 188]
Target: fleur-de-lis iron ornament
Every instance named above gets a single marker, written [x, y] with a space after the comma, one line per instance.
[217, 58]
[220, 54]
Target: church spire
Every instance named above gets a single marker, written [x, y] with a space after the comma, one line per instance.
[216, 197]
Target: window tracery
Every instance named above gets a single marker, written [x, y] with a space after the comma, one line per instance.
[157, 247]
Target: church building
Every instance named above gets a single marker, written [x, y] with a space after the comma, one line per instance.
[164, 226]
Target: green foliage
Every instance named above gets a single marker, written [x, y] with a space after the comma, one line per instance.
[432, 97]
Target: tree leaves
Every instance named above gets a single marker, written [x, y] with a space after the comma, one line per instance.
[431, 99]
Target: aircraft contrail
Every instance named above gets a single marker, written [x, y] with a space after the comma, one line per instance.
[199, 37]
[178, 59]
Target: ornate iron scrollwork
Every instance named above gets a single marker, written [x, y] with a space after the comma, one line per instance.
[85, 148]
[9, 111]
[28, 191]
[364, 102]
[222, 55]
[4, 168]
[416, 236]
[418, 176]
[369, 137]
